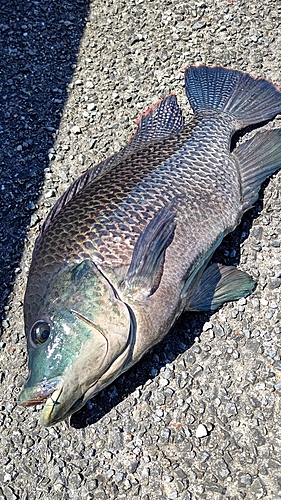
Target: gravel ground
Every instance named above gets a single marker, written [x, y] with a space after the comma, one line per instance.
[199, 416]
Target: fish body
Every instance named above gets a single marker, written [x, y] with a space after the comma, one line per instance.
[126, 249]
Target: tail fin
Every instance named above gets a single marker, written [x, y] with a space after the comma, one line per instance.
[250, 100]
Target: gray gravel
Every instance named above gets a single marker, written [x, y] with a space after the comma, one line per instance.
[199, 416]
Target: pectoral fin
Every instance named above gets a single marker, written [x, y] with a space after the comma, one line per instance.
[219, 284]
[148, 258]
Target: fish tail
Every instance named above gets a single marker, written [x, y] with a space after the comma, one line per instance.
[249, 100]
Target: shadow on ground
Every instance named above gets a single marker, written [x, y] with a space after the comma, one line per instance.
[39, 47]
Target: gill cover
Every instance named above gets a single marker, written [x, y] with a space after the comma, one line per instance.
[90, 329]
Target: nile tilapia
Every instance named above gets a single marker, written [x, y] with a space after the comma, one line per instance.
[126, 249]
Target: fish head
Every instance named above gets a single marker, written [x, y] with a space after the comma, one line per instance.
[79, 333]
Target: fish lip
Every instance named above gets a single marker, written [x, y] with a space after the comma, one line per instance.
[47, 418]
[39, 394]
[36, 400]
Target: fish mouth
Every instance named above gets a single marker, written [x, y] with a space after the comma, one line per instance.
[48, 393]
[32, 396]
[50, 407]
[36, 400]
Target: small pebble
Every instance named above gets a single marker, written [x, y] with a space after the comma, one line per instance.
[201, 431]
[76, 129]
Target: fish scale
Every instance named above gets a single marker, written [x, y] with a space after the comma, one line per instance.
[127, 248]
[132, 186]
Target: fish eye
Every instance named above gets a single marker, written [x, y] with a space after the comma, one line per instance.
[40, 332]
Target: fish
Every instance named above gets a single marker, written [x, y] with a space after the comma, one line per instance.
[127, 248]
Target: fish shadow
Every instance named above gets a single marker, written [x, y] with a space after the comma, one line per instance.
[40, 43]
[180, 338]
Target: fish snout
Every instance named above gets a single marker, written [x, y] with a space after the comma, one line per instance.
[37, 395]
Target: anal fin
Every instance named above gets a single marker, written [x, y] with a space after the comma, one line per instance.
[219, 284]
[258, 158]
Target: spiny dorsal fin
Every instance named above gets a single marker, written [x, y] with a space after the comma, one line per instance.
[157, 123]
[75, 188]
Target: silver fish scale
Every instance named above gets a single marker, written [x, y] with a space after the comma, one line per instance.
[105, 219]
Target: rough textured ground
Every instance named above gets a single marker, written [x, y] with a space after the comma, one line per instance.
[73, 79]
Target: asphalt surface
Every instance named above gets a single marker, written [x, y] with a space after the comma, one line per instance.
[199, 416]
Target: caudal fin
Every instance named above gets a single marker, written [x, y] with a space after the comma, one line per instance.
[250, 100]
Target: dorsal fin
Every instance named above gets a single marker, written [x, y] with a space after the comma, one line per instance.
[75, 188]
[157, 123]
